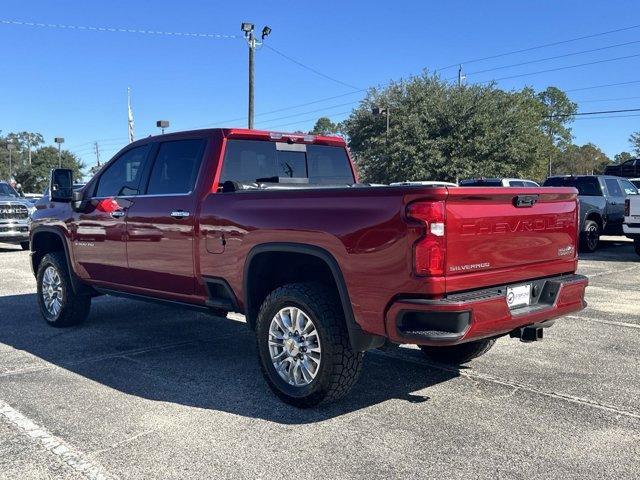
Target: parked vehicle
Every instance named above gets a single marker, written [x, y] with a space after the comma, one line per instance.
[276, 226]
[635, 181]
[14, 217]
[631, 224]
[628, 169]
[497, 182]
[424, 183]
[601, 205]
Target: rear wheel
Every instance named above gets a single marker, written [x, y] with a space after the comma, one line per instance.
[458, 354]
[59, 305]
[636, 245]
[24, 245]
[303, 343]
[590, 237]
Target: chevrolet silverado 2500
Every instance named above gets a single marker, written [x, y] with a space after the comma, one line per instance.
[324, 268]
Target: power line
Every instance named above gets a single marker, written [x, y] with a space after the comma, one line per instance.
[311, 69]
[606, 99]
[562, 68]
[609, 116]
[537, 47]
[603, 86]
[593, 113]
[553, 58]
[116, 29]
[297, 122]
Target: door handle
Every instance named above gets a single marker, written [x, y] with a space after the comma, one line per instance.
[179, 214]
[118, 214]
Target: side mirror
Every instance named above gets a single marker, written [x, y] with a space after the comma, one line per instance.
[61, 185]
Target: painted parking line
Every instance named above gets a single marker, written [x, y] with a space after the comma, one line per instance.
[66, 453]
[606, 322]
[475, 375]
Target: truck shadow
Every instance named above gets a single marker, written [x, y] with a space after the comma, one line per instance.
[193, 359]
[613, 251]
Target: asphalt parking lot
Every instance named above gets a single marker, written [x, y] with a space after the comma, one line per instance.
[146, 391]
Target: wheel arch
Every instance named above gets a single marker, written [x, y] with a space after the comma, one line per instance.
[45, 240]
[597, 217]
[360, 340]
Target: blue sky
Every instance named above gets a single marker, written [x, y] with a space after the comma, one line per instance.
[72, 83]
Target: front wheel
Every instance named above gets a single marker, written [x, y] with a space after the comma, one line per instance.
[590, 237]
[59, 304]
[304, 347]
[24, 245]
[636, 245]
[458, 354]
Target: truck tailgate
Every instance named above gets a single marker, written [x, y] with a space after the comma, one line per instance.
[501, 228]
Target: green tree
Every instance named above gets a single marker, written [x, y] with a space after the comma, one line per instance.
[587, 159]
[35, 178]
[558, 113]
[440, 131]
[324, 126]
[622, 157]
[634, 140]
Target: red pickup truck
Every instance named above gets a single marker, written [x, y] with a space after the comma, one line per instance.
[324, 268]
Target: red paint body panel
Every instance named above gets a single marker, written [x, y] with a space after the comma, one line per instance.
[365, 230]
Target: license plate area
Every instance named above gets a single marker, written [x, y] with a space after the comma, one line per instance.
[519, 296]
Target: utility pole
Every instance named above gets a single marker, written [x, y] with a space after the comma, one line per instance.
[247, 28]
[461, 76]
[95, 144]
[29, 147]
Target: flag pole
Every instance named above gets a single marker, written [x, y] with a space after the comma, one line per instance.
[130, 115]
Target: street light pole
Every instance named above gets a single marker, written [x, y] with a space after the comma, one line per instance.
[11, 147]
[162, 124]
[59, 141]
[249, 36]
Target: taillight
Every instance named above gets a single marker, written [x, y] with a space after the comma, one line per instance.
[429, 251]
[627, 207]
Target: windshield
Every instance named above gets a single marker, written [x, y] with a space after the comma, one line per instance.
[7, 191]
[588, 186]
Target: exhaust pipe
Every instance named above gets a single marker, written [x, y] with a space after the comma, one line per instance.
[528, 334]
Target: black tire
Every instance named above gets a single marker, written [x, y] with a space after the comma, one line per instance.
[590, 236]
[74, 308]
[24, 245]
[636, 245]
[458, 354]
[339, 365]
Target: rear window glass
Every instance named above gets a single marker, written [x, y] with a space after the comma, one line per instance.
[481, 183]
[584, 185]
[248, 161]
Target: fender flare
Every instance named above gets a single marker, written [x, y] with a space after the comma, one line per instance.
[77, 286]
[359, 339]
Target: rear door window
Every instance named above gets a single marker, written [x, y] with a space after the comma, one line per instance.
[176, 167]
[613, 187]
[516, 183]
[122, 177]
[249, 161]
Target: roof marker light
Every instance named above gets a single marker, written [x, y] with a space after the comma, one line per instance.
[275, 135]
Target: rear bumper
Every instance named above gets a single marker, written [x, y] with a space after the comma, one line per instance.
[484, 313]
